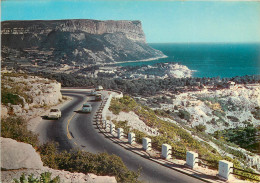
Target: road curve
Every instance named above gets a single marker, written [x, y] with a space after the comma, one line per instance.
[86, 136]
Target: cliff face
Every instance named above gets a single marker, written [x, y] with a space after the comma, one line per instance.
[34, 93]
[85, 41]
[132, 29]
[20, 158]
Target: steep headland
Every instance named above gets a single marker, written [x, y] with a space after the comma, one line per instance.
[80, 41]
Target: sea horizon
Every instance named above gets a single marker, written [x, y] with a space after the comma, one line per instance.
[210, 59]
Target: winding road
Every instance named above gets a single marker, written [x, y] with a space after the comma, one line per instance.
[76, 130]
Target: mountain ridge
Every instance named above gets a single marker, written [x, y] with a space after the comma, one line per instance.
[84, 41]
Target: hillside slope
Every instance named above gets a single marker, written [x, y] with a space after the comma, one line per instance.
[82, 41]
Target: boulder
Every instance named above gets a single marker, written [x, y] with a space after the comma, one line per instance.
[18, 155]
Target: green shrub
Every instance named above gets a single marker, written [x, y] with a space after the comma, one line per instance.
[256, 113]
[184, 114]
[201, 128]
[162, 113]
[44, 178]
[16, 128]
[244, 137]
[49, 153]
[11, 91]
[233, 118]
[14, 99]
[85, 162]
[116, 108]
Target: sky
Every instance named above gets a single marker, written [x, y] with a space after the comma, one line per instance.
[163, 21]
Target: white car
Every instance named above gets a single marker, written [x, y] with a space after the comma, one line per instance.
[98, 97]
[54, 113]
[99, 88]
[93, 92]
[86, 108]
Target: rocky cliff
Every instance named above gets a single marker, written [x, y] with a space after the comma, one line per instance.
[81, 41]
[19, 158]
[28, 96]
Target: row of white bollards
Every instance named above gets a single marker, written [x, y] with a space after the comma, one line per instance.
[192, 158]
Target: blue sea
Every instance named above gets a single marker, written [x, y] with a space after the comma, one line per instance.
[211, 60]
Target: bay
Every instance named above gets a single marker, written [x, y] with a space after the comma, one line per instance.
[210, 60]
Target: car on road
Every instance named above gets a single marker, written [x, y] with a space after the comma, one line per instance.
[98, 97]
[99, 88]
[86, 108]
[93, 92]
[54, 113]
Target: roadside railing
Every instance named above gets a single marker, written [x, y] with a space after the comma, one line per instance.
[224, 167]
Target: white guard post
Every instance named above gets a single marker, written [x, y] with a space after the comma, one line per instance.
[224, 169]
[166, 151]
[192, 159]
[147, 144]
[104, 123]
[120, 132]
[131, 138]
[112, 128]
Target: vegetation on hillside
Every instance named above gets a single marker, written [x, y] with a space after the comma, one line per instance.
[74, 161]
[85, 162]
[11, 92]
[177, 137]
[148, 87]
[256, 113]
[246, 137]
[16, 128]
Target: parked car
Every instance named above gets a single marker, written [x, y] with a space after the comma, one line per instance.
[93, 92]
[98, 97]
[99, 88]
[86, 108]
[54, 113]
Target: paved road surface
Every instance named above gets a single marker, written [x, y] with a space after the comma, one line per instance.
[86, 136]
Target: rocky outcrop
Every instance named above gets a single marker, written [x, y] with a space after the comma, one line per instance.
[17, 155]
[133, 121]
[19, 158]
[132, 29]
[82, 41]
[36, 94]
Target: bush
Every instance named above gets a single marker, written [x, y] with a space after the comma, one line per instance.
[122, 124]
[162, 113]
[244, 137]
[125, 104]
[116, 108]
[16, 128]
[256, 113]
[44, 178]
[233, 118]
[11, 91]
[85, 162]
[201, 128]
[184, 114]
[14, 99]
